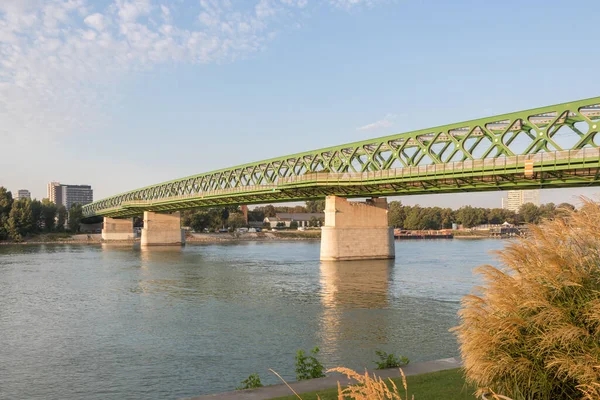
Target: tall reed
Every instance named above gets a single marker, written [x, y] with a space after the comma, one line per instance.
[533, 329]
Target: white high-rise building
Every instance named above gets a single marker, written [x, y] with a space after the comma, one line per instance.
[516, 198]
[67, 195]
[23, 194]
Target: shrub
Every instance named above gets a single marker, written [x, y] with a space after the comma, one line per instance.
[293, 225]
[389, 360]
[252, 382]
[533, 332]
[308, 367]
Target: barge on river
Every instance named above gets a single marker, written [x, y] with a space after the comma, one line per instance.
[423, 234]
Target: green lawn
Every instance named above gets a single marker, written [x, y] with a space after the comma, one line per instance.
[447, 385]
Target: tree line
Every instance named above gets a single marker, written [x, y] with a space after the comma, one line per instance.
[232, 217]
[418, 218]
[23, 217]
[400, 216]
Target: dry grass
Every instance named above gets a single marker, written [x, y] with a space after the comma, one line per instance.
[367, 387]
[533, 331]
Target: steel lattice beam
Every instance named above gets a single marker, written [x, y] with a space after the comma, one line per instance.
[424, 161]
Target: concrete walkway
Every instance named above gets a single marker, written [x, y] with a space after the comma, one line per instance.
[269, 392]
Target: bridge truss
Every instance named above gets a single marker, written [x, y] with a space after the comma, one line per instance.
[554, 146]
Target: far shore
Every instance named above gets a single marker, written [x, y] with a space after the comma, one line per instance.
[191, 238]
[206, 238]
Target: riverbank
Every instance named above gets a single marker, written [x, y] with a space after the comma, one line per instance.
[326, 387]
[192, 238]
[207, 238]
[57, 238]
[254, 236]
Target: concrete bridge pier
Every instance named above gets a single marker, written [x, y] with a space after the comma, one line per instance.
[114, 229]
[162, 229]
[356, 230]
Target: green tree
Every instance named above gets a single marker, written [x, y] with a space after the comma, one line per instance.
[432, 218]
[396, 214]
[199, 221]
[470, 216]
[186, 217]
[294, 225]
[448, 218]
[495, 216]
[269, 211]
[236, 220]
[48, 214]
[224, 215]
[75, 217]
[298, 209]
[20, 221]
[6, 202]
[36, 215]
[530, 213]
[413, 218]
[547, 211]
[315, 206]
[61, 218]
[256, 215]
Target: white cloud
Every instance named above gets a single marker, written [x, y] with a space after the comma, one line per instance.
[348, 4]
[59, 58]
[96, 21]
[385, 122]
[130, 11]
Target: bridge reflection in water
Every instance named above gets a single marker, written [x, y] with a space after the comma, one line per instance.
[354, 293]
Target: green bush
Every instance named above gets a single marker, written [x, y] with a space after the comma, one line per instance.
[308, 367]
[293, 225]
[390, 360]
[252, 382]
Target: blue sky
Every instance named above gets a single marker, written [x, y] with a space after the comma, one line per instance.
[120, 94]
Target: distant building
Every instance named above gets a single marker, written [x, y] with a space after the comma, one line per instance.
[516, 198]
[303, 219]
[67, 195]
[23, 194]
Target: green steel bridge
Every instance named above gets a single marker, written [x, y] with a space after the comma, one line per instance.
[554, 146]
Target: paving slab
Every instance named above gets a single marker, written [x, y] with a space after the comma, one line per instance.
[269, 392]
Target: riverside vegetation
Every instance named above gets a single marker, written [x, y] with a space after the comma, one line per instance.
[24, 217]
[533, 330]
[400, 216]
[309, 367]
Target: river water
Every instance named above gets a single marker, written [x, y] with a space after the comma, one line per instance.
[120, 322]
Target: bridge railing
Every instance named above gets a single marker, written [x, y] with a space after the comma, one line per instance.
[194, 196]
[507, 165]
[492, 165]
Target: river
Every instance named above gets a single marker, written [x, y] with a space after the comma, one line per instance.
[120, 322]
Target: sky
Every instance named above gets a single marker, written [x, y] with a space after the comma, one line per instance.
[121, 94]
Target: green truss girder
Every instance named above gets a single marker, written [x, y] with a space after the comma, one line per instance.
[318, 173]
